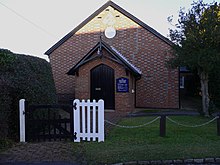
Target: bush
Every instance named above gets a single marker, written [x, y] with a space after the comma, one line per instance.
[5, 144]
[214, 90]
[22, 76]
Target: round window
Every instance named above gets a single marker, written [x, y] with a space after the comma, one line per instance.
[110, 32]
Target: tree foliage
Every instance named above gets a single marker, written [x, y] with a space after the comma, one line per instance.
[197, 43]
[5, 58]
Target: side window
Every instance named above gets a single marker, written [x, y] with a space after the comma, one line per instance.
[182, 82]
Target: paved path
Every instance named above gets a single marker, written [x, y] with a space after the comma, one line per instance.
[47, 153]
[39, 163]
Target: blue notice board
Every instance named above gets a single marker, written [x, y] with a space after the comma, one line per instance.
[122, 84]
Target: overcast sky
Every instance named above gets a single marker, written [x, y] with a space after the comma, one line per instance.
[33, 26]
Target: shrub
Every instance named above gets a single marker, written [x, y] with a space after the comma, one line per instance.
[214, 90]
[22, 76]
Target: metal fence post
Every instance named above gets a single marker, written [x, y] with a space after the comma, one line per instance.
[163, 125]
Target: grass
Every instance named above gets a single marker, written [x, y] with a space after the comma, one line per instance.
[5, 144]
[123, 145]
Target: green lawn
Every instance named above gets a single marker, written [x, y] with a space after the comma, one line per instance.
[123, 145]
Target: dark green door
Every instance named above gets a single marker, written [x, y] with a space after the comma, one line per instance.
[102, 85]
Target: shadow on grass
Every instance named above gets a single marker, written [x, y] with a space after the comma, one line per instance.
[123, 145]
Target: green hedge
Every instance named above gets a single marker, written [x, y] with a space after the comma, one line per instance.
[214, 90]
[22, 76]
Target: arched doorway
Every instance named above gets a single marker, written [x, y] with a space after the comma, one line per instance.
[102, 85]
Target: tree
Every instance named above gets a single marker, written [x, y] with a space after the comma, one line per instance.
[196, 39]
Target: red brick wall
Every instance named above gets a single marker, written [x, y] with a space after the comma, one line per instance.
[158, 87]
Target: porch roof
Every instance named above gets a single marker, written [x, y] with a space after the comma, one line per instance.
[116, 57]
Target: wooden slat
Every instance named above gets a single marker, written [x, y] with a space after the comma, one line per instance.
[83, 119]
[101, 120]
[94, 118]
[88, 120]
[77, 119]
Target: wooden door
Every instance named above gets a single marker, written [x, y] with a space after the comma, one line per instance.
[102, 85]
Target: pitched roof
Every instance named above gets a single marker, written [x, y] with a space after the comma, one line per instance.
[117, 57]
[121, 10]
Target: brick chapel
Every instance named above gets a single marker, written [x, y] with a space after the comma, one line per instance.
[114, 56]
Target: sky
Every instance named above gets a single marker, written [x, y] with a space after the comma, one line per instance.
[32, 26]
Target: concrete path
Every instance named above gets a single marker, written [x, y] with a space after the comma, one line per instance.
[41, 153]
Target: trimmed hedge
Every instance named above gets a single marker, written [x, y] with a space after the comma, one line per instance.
[22, 76]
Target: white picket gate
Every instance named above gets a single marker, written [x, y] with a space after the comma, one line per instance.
[89, 120]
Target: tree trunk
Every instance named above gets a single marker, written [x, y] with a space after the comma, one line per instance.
[205, 93]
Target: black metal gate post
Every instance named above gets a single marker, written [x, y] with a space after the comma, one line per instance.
[163, 125]
[218, 125]
[27, 123]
